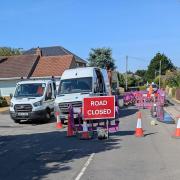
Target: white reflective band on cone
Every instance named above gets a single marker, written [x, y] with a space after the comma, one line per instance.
[139, 123]
[85, 129]
[58, 119]
[178, 124]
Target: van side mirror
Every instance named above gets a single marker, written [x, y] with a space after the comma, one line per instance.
[11, 95]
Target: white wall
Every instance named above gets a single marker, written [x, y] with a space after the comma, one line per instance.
[7, 87]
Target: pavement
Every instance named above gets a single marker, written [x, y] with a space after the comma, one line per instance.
[4, 109]
[173, 108]
[40, 151]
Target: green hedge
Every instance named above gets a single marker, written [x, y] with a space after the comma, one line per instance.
[141, 88]
[3, 102]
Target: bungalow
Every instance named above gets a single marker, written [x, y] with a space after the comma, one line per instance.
[44, 64]
[55, 51]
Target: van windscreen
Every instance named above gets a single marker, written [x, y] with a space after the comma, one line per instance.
[77, 85]
[30, 90]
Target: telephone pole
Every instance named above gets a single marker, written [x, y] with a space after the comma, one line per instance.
[126, 72]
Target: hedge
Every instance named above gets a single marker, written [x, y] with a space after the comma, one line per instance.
[3, 102]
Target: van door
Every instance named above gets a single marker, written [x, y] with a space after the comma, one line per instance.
[99, 83]
[49, 97]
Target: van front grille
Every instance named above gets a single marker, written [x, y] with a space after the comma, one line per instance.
[23, 108]
[64, 106]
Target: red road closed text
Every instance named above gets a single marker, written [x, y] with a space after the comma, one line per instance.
[99, 107]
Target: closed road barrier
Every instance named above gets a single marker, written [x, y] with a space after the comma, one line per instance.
[102, 107]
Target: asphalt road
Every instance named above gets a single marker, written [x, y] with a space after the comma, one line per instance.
[40, 151]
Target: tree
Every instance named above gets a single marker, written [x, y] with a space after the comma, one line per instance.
[141, 72]
[7, 51]
[154, 65]
[172, 78]
[121, 80]
[130, 72]
[101, 57]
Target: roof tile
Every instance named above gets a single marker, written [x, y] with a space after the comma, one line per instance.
[53, 65]
[17, 66]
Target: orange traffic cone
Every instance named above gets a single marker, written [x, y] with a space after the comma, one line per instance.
[85, 133]
[177, 132]
[139, 130]
[70, 131]
[58, 124]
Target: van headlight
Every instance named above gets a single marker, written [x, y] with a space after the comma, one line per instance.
[36, 104]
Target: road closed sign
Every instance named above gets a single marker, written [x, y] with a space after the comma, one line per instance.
[102, 107]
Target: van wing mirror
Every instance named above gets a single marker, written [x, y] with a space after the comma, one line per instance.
[11, 95]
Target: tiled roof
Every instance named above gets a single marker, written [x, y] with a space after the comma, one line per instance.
[53, 65]
[54, 51]
[17, 66]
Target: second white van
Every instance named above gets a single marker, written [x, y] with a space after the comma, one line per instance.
[76, 84]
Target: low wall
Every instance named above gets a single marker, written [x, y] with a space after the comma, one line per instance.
[173, 92]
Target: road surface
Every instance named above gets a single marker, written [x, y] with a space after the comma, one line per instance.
[40, 151]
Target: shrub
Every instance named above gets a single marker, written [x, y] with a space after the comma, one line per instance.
[141, 88]
[3, 102]
[173, 79]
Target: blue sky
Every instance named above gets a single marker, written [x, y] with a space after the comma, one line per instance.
[137, 28]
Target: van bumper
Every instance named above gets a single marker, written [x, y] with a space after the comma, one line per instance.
[65, 116]
[34, 115]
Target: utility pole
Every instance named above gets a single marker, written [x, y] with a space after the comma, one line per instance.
[126, 72]
[160, 74]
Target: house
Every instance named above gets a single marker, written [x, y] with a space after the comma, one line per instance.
[12, 69]
[56, 51]
[43, 64]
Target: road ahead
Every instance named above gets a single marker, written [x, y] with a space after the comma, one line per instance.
[42, 152]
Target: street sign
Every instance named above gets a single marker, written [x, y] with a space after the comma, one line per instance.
[101, 107]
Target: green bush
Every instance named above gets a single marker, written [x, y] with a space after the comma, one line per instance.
[173, 79]
[141, 88]
[3, 102]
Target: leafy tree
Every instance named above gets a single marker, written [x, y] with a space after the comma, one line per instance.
[172, 79]
[101, 57]
[154, 65]
[7, 51]
[121, 80]
[129, 72]
[140, 72]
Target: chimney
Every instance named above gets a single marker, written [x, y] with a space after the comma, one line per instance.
[38, 51]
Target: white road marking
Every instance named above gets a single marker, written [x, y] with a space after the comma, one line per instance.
[85, 167]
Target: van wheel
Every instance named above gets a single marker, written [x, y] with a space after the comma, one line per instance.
[47, 116]
[17, 121]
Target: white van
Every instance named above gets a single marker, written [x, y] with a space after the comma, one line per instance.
[33, 99]
[76, 84]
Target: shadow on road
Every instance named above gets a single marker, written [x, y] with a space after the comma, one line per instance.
[124, 133]
[127, 112]
[37, 122]
[147, 134]
[34, 156]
